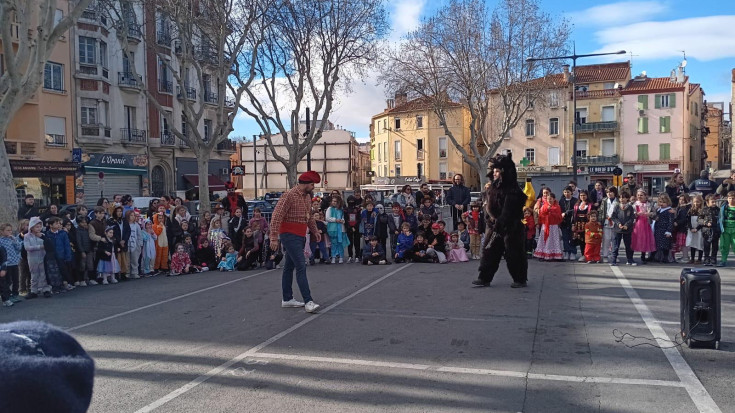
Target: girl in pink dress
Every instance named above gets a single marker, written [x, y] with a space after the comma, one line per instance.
[455, 249]
[643, 240]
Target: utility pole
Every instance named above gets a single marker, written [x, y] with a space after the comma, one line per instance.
[308, 129]
[574, 56]
[255, 166]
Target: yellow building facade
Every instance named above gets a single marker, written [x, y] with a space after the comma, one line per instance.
[407, 140]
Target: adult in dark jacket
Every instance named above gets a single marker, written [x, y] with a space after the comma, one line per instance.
[676, 187]
[727, 185]
[327, 200]
[598, 194]
[567, 203]
[458, 199]
[233, 200]
[121, 231]
[424, 191]
[704, 185]
[28, 209]
[631, 185]
[52, 211]
[382, 227]
[623, 218]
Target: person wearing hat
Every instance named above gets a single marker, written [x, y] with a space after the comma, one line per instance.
[289, 223]
[33, 242]
[703, 185]
[233, 200]
[437, 240]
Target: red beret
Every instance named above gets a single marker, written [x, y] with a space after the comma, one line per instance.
[436, 226]
[309, 177]
[229, 185]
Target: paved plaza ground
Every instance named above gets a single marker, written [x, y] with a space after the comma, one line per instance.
[398, 338]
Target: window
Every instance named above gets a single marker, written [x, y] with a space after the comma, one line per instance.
[582, 147]
[55, 131]
[184, 126]
[420, 144]
[642, 125]
[377, 126]
[89, 112]
[127, 67]
[419, 170]
[442, 170]
[643, 152]
[554, 156]
[398, 170]
[385, 123]
[443, 147]
[642, 102]
[530, 127]
[664, 151]
[380, 154]
[164, 126]
[581, 116]
[609, 85]
[554, 99]
[53, 76]
[385, 151]
[664, 124]
[58, 16]
[103, 54]
[419, 122]
[608, 113]
[666, 101]
[207, 129]
[385, 170]
[11, 148]
[531, 155]
[608, 147]
[529, 101]
[397, 123]
[87, 50]
[554, 126]
[130, 118]
[397, 150]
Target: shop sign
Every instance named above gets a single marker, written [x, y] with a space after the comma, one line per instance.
[398, 180]
[531, 169]
[115, 161]
[608, 170]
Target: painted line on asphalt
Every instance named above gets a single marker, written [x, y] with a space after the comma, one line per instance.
[145, 307]
[471, 371]
[677, 323]
[249, 353]
[690, 381]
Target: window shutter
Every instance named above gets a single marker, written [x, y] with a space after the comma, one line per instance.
[664, 151]
[645, 125]
[672, 100]
[658, 101]
[642, 102]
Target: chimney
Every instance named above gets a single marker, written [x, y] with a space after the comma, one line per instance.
[401, 98]
[566, 72]
[390, 104]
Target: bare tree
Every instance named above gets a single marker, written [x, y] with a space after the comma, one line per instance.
[208, 37]
[311, 48]
[469, 54]
[36, 32]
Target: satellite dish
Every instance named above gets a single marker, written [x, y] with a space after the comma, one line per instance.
[684, 63]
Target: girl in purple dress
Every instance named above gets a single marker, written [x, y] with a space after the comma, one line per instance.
[643, 239]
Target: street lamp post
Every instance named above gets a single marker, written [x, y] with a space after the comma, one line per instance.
[255, 166]
[574, 56]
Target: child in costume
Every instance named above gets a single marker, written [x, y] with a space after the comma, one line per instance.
[455, 249]
[592, 240]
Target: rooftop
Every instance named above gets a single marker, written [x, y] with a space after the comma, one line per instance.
[653, 84]
[606, 72]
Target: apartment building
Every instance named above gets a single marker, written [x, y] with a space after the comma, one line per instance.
[407, 140]
[38, 141]
[662, 129]
[718, 145]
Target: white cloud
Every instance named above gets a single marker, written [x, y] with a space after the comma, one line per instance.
[703, 38]
[405, 16]
[616, 13]
[353, 111]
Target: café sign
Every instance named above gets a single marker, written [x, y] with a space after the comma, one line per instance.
[609, 169]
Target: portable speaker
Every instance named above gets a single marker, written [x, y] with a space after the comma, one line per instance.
[700, 307]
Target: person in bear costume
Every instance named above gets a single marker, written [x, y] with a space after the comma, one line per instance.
[504, 233]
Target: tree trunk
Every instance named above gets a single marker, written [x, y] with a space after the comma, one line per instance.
[292, 174]
[483, 180]
[8, 208]
[203, 171]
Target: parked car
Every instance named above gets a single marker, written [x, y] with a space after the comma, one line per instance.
[266, 207]
[475, 196]
[142, 202]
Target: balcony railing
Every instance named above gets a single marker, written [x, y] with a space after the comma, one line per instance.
[133, 136]
[182, 143]
[598, 160]
[592, 94]
[420, 155]
[94, 12]
[227, 145]
[597, 127]
[167, 139]
[206, 54]
[163, 38]
[55, 140]
[210, 97]
[128, 79]
[191, 93]
[96, 131]
[165, 86]
[132, 29]
[88, 69]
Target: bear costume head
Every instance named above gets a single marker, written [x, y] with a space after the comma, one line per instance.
[509, 175]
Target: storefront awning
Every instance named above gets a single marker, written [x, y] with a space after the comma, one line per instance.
[215, 184]
[123, 164]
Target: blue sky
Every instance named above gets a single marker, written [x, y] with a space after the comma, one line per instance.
[656, 32]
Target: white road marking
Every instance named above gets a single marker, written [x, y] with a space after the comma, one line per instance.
[676, 323]
[689, 380]
[472, 371]
[145, 307]
[249, 353]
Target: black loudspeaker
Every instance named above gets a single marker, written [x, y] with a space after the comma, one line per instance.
[700, 307]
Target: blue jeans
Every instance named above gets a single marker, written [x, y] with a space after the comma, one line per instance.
[322, 246]
[626, 238]
[293, 245]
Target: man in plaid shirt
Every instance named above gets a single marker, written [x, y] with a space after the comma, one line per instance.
[290, 220]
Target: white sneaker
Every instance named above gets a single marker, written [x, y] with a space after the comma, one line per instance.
[114, 280]
[104, 281]
[349, 260]
[91, 282]
[581, 258]
[334, 260]
[565, 256]
[135, 277]
[381, 262]
[312, 307]
[76, 283]
[370, 263]
[81, 283]
[341, 261]
[292, 303]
